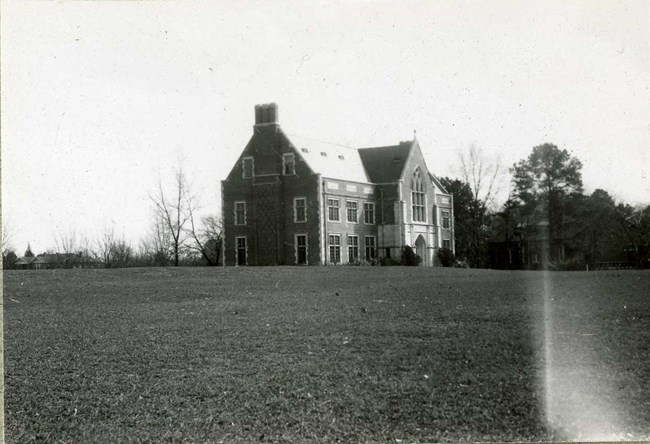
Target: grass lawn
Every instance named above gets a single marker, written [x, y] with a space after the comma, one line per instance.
[324, 354]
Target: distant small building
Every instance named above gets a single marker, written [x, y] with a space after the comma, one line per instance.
[56, 260]
[295, 200]
[24, 262]
[531, 247]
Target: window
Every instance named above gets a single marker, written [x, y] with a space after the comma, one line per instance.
[240, 213]
[241, 251]
[288, 164]
[353, 248]
[417, 197]
[368, 213]
[445, 219]
[301, 249]
[335, 248]
[248, 168]
[371, 252]
[333, 210]
[351, 206]
[300, 209]
[446, 243]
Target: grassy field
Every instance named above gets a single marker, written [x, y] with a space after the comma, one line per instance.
[351, 354]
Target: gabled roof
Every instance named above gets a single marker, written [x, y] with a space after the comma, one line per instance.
[330, 160]
[437, 183]
[24, 260]
[385, 164]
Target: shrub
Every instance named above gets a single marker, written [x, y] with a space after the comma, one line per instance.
[388, 261]
[409, 257]
[363, 263]
[573, 264]
[446, 257]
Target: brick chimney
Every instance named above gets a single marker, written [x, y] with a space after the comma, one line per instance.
[266, 114]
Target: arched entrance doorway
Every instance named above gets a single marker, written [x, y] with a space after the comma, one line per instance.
[421, 249]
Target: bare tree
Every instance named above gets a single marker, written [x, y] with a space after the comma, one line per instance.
[103, 245]
[66, 242]
[172, 214]
[482, 176]
[8, 254]
[121, 253]
[207, 240]
[6, 239]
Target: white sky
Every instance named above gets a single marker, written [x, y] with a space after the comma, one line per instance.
[97, 97]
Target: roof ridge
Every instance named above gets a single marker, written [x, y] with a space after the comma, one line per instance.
[322, 141]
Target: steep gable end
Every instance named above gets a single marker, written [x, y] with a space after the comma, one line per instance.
[385, 164]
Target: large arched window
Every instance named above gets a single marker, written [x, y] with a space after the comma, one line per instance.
[417, 197]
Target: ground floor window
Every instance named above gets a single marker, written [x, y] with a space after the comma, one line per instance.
[353, 248]
[446, 244]
[335, 248]
[241, 251]
[371, 252]
[301, 249]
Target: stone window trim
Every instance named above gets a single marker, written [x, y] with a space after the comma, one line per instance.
[288, 164]
[352, 211]
[333, 210]
[240, 212]
[418, 198]
[446, 219]
[353, 247]
[239, 245]
[300, 209]
[334, 248]
[371, 247]
[245, 174]
[298, 246]
[369, 213]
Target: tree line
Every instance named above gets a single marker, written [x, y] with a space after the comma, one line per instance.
[547, 203]
[177, 236]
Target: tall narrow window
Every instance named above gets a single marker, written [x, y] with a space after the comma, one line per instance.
[353, 248]
[288, 164]
[300, 209]
[417, 197]
[301, 249]
[445, 219]
[248, 168]
[368, 213]
[240, 213]
[241, 251]
[351, 206]
[333, 210]
[335, 248]
[371, 252]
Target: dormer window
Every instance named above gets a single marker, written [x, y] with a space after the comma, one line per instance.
[288, 164]
[248, 167]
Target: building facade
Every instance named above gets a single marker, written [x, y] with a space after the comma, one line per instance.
[298, 201]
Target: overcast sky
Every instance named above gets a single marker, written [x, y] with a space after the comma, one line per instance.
[99, 97]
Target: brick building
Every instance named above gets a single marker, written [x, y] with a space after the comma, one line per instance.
[293, 200]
